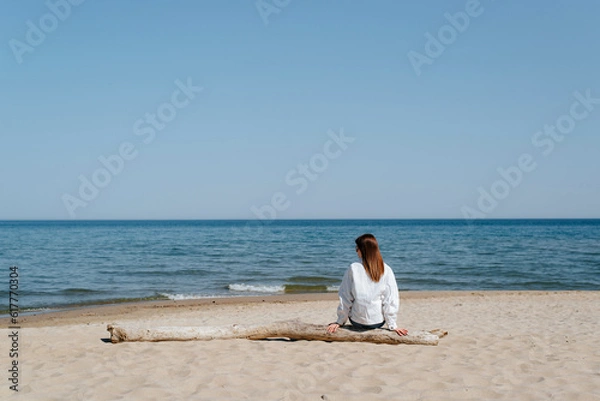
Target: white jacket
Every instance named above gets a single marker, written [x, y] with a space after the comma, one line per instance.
[365, 301]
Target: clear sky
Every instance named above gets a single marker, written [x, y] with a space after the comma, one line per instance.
[216, 108]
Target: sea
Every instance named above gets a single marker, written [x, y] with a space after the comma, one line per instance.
[61, 264]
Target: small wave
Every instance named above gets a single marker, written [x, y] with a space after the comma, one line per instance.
[256, 288]
[312, 279]
[303, 288]
[26, 311]
[80, 291]
[183, 297]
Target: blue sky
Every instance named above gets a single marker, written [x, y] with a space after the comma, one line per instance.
[427, 141]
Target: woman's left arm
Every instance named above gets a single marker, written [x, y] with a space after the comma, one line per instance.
[346, 295]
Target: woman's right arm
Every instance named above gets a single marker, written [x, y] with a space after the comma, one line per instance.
[391, 300]
[391, 303]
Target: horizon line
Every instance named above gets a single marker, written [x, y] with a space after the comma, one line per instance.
[316, 219]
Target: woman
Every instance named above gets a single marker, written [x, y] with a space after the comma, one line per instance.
[369, 293]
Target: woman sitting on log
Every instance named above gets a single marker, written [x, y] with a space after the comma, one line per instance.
[369, 293]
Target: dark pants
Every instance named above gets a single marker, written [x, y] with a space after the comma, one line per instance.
[367, 326]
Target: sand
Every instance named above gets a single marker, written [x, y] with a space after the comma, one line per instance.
[501, 346]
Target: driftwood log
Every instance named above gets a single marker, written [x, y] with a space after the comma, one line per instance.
[289, 329]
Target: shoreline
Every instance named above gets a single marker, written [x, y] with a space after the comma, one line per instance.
[95, 313]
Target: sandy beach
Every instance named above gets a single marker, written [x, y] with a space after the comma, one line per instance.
[501, 345]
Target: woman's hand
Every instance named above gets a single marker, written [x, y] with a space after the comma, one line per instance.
[332, 327]
[401, 332]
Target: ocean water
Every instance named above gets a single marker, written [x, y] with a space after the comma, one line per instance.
[64, 263]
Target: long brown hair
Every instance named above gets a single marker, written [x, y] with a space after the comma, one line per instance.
[371, 257]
